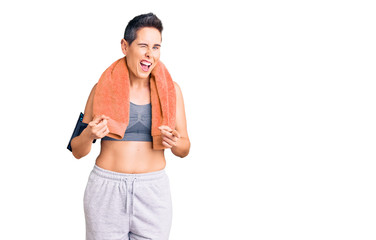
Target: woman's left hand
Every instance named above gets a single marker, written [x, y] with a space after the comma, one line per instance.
[170, 137]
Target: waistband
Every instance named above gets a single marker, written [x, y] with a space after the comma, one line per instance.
[150, 176]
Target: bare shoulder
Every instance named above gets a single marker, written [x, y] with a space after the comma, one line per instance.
[181, 122]
[178, 90]
[179, 97]
[89, 106]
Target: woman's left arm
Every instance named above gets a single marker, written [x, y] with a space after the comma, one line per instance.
[177, 139]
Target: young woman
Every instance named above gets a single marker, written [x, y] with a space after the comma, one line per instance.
[128, 193]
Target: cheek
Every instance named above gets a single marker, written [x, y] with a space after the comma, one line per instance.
[153, 66]
[157, 55]
[132, 65]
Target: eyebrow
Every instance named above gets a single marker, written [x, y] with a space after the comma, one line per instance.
[148, 45]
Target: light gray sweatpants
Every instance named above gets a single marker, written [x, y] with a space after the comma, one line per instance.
[121, 206]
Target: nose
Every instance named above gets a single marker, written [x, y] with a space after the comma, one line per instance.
[147, 53]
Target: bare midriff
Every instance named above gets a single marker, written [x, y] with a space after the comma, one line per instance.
[130, 157]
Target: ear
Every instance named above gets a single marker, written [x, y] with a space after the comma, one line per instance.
[124, 46]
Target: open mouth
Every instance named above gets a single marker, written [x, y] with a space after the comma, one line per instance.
[145, 65]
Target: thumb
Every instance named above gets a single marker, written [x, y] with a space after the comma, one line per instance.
[98, 118]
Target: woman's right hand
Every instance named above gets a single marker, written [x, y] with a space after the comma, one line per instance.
[97, 128]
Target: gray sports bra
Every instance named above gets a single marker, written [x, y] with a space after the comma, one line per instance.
[139, 126]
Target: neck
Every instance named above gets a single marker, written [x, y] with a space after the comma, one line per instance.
[139, 83]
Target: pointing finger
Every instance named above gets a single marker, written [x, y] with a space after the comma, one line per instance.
[176, 133]
[166, 133]
[97, 119]
[167, 128]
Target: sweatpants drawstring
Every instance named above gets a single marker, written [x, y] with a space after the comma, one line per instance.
[133, 192]
[126, 194]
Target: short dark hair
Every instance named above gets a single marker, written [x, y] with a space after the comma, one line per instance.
[140, 21]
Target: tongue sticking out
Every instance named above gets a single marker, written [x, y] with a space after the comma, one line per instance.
[145, 67]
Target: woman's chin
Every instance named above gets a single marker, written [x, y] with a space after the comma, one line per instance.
[143, 75]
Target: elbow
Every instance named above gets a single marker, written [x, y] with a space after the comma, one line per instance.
[184, 155]
[185, 152]
[78, 155]
[78, 151]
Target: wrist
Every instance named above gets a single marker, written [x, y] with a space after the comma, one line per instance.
[87, 135]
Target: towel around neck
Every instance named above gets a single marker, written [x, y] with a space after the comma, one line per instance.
[111, 98]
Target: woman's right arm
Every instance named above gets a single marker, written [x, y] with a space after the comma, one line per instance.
[96, 128]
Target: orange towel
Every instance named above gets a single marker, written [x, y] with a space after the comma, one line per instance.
[111, 98]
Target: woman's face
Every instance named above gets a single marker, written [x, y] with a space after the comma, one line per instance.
[144, 52]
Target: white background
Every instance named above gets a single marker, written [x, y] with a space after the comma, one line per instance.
[280, 105]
